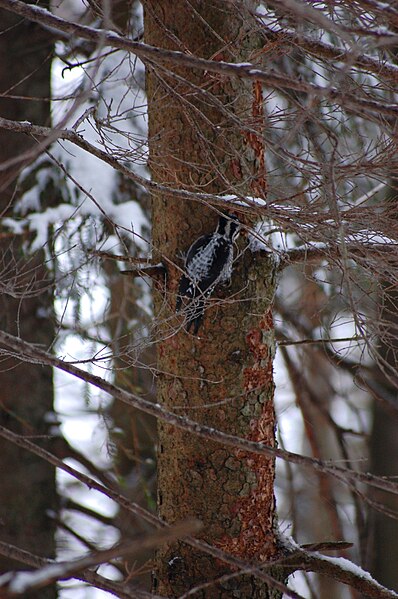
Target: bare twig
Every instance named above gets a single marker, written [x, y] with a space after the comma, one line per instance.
[21, 583]
[29, 352]
[119, 589]
[297, 556]
[245, 71]
[325, 50]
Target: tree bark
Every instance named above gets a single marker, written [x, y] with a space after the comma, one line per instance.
[384, 528]
[28, 490]
[383, 446]
[224, 377]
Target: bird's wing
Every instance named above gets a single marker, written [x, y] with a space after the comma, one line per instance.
[196, 247]
[207, 264]
[186, 287]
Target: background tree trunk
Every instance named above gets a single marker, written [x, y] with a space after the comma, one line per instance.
[383, 446]
[28, 489]
[384, 529]
[224, 378]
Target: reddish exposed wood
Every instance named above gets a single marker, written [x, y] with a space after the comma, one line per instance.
[198, 144]
[256, 510]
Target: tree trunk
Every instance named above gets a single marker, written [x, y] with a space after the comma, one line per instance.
[133, 433]
[224, 377]
[28, 491]
[383, 528]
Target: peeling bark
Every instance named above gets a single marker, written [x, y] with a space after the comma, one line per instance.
[224, 377]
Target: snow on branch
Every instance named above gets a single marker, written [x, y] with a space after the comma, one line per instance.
[322, 251]
[363, 243]
[88, 576]
[19, 583]
[338, 568]
[240, 566]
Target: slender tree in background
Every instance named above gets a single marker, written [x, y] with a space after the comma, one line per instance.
[383, 530]
[284, 114]
[28, 498]
[132, 433]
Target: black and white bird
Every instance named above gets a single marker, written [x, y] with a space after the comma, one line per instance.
[208, 262]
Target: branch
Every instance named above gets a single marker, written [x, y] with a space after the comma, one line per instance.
[284, 341]
[69, 504]
[304, 11]
[247, 205]
[152, 54]
[382, 9]
[76, 139]
[143, 268]
[131, 507]
[119, 589]
[20, 583]
[324, 50]
[30, 353]
[118, 257]
[157, 270]
[238, 564]
[327, 251]
[339, 569]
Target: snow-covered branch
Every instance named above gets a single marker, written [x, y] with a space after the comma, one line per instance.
[126, 504]
[338, 568]
[293, 554]
[75, 138]
[119, 589]
[361, 245]
[19, 583]
[327, 251]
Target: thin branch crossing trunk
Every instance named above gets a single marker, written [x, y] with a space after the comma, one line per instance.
[224, 377]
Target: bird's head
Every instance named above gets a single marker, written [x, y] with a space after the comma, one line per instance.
[229, 226]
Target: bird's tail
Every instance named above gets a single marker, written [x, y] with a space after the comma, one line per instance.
[178, 303]
[186, 290]
[194, 315]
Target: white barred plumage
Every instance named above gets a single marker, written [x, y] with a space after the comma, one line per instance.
[208, 263]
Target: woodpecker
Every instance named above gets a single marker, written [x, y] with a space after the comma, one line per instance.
[208, 262]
